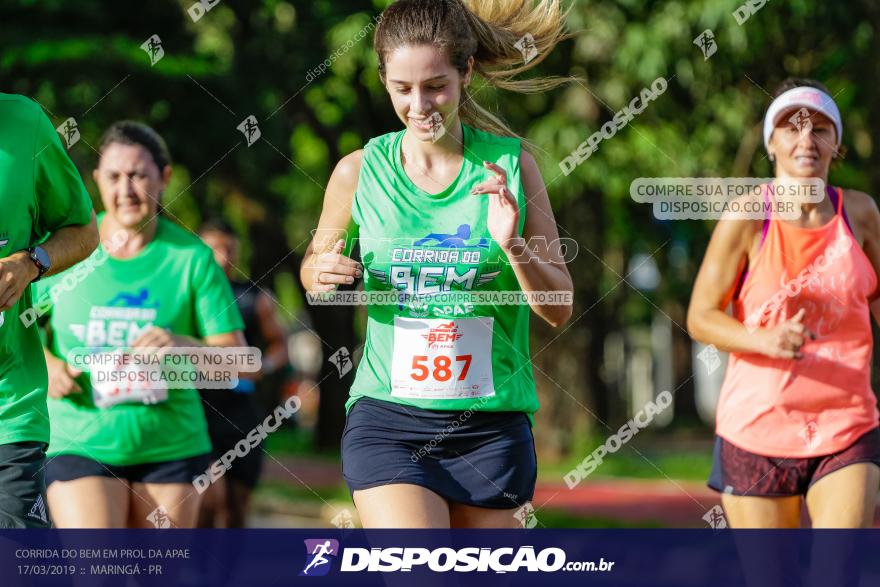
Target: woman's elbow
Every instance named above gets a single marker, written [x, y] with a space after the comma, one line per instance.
[694, 324]
[558, 315]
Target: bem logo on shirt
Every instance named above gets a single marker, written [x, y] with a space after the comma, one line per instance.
[439, 262]
[120, 322]
[4, 239]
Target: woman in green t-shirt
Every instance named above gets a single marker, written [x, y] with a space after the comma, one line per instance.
[128, 459]
[438, 432]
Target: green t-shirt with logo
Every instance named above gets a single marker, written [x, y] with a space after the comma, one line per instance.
[441, 348]
[174, 283]
[40, 192]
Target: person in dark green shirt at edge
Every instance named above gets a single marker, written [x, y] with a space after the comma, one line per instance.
[131, 463]
[46, 225]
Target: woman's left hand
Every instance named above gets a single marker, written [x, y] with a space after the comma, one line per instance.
[503, 222]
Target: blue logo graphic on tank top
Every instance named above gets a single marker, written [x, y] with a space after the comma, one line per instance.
[138, 300]
[457, 240]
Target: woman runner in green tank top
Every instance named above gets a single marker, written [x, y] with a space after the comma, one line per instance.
[125, 454]
[442, 210]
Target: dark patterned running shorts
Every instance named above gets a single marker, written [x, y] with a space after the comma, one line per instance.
[738, 472]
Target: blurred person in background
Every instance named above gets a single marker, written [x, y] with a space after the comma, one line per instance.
[232, 414]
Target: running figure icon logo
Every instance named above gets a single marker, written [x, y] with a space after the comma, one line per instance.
[526, 516]
[457, 240]
[153, 48]
[437, 128]
[526, 46]
[709, 357]
[811, 436]
[159, 517]
[706, 42]
[341, 359]
[715, 518]
[343, 520]
[138, 300]
[801, 121]
[317, 553]
[250, 130]
[69, 129]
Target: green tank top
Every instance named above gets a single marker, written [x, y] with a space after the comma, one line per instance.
[426, 351]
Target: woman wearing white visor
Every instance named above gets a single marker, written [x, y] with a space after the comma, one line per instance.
[797, 420]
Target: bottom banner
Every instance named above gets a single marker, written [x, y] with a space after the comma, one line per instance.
[656, 558]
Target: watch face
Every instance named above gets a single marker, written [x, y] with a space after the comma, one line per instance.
[42, 257]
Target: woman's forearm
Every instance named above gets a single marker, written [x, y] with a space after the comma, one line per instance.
[538, 275]
[726, 333]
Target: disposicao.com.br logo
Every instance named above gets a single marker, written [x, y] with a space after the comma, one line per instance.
[441, 560]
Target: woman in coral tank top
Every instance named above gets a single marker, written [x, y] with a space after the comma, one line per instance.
[797, 417]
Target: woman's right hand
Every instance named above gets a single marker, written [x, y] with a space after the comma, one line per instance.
[784, 341]
[62, 378]
[333, 268]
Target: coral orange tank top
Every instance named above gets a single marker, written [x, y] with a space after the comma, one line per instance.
[821, 403]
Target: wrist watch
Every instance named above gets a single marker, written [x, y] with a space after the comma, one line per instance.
[41, 259]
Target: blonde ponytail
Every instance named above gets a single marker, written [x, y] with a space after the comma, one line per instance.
[505, 37]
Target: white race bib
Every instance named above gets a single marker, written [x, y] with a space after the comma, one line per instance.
[120, 383]
[442, 359]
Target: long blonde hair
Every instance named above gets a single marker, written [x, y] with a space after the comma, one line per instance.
[488, 31]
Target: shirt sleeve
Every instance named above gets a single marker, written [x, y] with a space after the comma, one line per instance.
[60, 196]
[216, 310]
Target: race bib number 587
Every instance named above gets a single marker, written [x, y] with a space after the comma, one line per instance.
[442, 359]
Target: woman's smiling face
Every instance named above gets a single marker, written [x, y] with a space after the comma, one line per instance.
[425, 89]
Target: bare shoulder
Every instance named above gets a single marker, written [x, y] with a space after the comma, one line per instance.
[736, 233]
[527, 162]
[342, 186]
[348, 169]
[862, 211]
[732, 222]
[859, 204]
[339, 195]
[530, 176]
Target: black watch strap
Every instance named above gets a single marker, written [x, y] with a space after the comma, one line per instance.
[40, 258]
